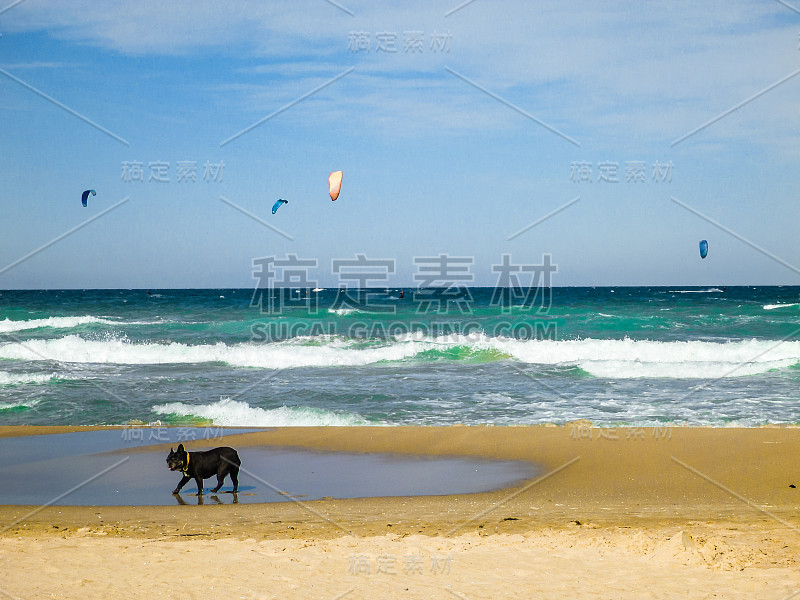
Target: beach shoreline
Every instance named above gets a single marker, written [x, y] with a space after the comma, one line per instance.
[639, 473]
[711, 503]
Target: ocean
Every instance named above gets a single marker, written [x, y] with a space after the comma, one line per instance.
[618, 357]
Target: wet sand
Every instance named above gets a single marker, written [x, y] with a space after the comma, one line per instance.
[118, 467]
[623, 513]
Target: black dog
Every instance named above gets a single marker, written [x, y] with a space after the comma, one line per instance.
[202, 465]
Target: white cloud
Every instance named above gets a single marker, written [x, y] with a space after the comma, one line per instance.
[604, 72]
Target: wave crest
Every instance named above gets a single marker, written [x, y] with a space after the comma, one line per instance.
[229, 413]
[624, 358]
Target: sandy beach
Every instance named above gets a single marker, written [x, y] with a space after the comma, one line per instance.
[614, 513]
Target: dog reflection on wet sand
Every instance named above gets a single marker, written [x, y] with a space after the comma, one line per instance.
[213, 499]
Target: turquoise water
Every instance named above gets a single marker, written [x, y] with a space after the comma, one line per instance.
[615, 356]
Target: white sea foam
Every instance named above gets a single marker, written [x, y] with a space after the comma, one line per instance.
[19, 404]
[617, 369]
[8, 326]
[570, 351]
[774, 306]
[603, 358]
[627, 358]
[233, 413]
[343, 312]
[286, 354]
[7, 378]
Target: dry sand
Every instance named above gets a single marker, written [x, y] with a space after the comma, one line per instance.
[616, 513]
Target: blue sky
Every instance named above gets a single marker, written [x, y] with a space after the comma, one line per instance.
[455, 130]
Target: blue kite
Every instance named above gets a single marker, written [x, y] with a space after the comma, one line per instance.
[703, 249]
[278, 204]
[85, 195]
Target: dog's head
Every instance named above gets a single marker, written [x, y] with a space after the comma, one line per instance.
[178, 460]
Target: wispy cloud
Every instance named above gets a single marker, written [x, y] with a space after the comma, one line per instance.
[669, 66]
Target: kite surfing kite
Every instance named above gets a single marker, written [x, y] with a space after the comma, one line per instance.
[86, 195]
[703, 249]
[278, 204]
[334, 184]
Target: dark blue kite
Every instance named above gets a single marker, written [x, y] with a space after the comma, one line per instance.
[85, 195]
[278, 204]
[703, 249]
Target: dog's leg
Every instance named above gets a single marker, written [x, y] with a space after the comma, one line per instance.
[199, 481]
[184, 480]
[220, 479]
[235, 478]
